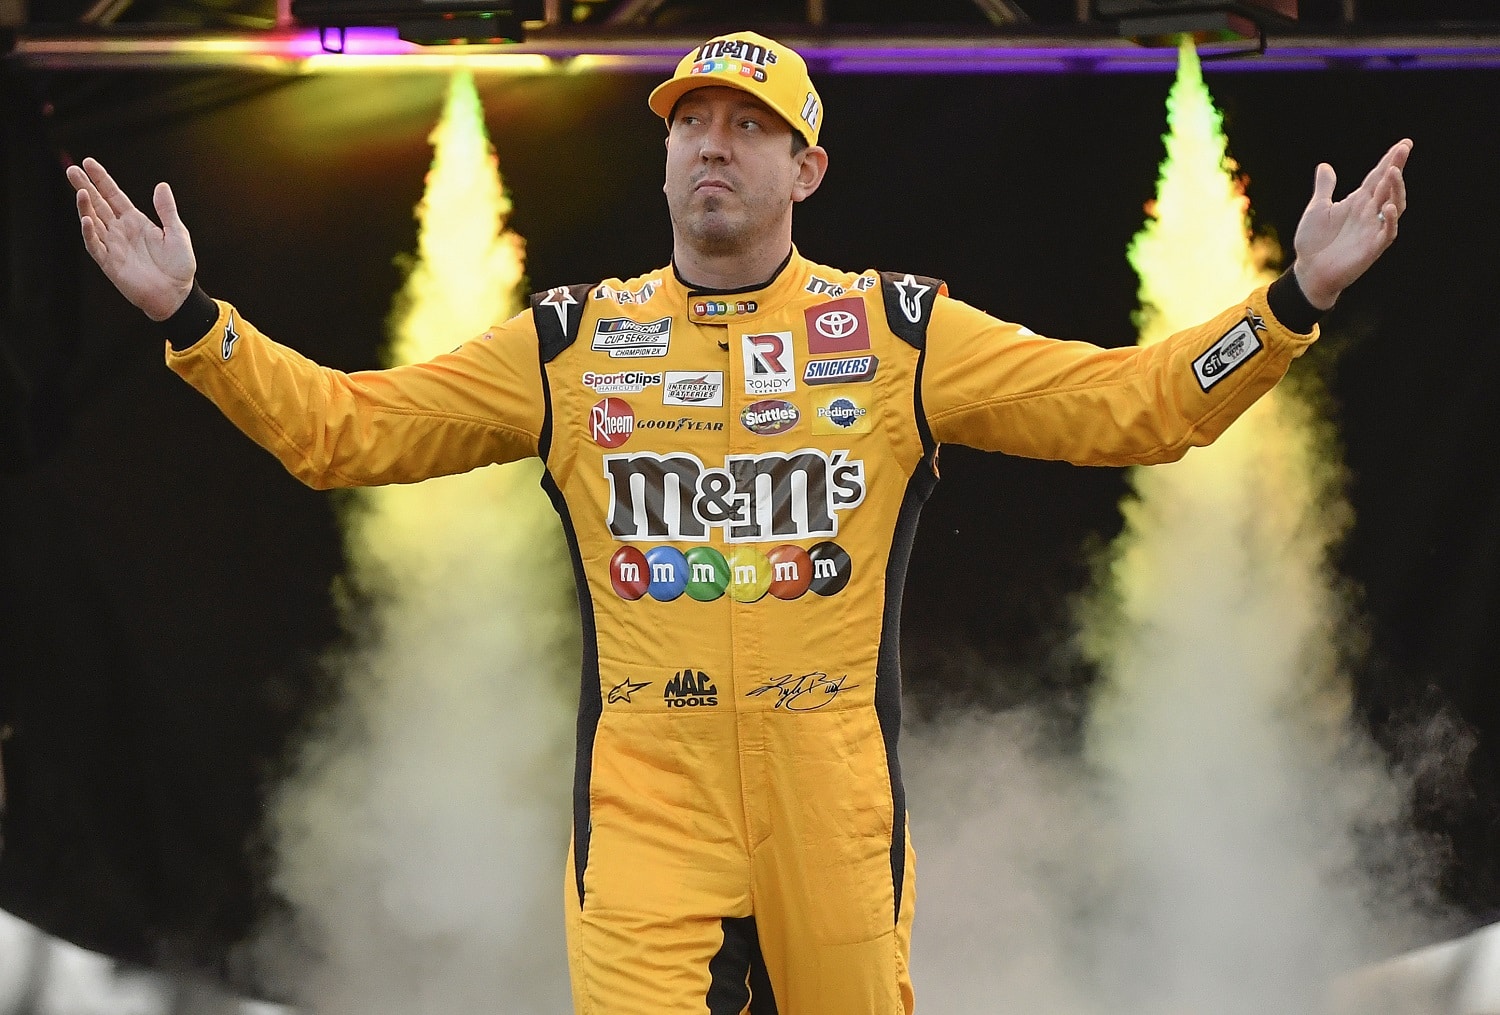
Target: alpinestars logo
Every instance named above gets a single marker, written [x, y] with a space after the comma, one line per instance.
[690, 688]
[231, 337]
[912, 292]
[1226, 355]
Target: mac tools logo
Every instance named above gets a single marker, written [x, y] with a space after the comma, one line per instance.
[837, 326]
[770, 364]
[688, 688]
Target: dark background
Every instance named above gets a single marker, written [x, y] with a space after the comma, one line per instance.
[164, 585]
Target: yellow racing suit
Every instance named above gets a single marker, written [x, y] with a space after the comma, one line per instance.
[739, 476]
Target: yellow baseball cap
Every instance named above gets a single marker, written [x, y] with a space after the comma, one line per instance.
[752, 63]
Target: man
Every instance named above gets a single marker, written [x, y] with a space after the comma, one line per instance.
[738, 445]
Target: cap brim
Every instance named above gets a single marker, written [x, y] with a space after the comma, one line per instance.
[664, 96]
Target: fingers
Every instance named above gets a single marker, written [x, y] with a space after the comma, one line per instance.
[89, 201]
[105, 187]
[166, 208]
[1324, 180]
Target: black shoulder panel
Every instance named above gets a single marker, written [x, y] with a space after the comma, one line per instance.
[556, 314]
[908, 305]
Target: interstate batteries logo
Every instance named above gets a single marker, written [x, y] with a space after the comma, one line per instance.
[704, 388]
[623, 338]
[746, 574]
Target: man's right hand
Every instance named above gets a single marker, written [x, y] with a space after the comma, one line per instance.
[152, 266]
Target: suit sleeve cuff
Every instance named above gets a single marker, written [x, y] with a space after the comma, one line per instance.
[1290, 306]
[193, 320]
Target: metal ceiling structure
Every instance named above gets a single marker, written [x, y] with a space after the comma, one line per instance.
[837, 36]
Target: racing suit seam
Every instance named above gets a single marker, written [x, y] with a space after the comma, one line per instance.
[1147, 453]
[276, 428]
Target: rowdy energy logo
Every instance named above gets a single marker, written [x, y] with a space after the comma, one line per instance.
[753, 498]
[770, 363]
[746, 574]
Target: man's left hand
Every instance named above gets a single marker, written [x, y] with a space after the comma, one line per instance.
[1338, 240]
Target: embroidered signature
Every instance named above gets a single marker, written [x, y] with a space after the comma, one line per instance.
[806, 693]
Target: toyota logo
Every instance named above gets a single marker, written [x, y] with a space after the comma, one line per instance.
[836, 324]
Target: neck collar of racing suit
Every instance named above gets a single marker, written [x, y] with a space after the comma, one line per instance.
[726, 306]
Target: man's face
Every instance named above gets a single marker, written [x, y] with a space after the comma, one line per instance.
[730, 170]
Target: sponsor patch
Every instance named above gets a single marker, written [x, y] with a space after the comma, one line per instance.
[231, 337]
[623, 338]
[625, 688]
[837, 326]
[611, 422]
[745, 573]
[621, 382]
[680, 424]
[911, 292]
[848, 370]
[1226, 355]
[822, 287]
[627, 296]
[757, 498]
[769, 416]
[690, 688]
[770, 363]
[840, 415]
[714, 311]
[703, 388]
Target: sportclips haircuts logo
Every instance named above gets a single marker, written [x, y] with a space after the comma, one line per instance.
[745, 574]
[754, 498]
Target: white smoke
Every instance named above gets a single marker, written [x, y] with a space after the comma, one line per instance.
[1216, 844]
[421, 844]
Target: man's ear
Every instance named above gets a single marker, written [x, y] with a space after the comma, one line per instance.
[811, 166]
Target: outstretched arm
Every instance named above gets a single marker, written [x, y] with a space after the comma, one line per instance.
[152, 266]
[1338, 240]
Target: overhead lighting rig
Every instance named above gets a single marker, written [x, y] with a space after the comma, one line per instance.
[1240, 24]
[425, 23]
